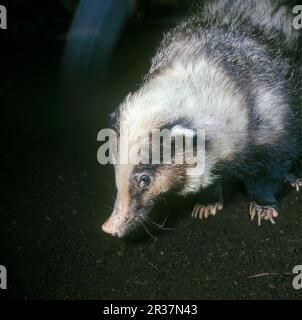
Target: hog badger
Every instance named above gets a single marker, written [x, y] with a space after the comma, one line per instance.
[232, 68]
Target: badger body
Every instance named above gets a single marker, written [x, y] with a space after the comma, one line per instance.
[232, 70]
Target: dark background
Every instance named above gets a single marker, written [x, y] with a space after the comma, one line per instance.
[54, 196]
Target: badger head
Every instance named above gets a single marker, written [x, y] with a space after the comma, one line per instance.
[158, 104]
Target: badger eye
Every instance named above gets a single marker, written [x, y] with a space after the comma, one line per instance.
[144, 181]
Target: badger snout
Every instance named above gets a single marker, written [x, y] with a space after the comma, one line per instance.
[108, 227]
[116, 227]
[126, 216]
[118, 224]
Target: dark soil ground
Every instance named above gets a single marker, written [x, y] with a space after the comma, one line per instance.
[54, 197]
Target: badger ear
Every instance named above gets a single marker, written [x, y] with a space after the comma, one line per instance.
[113, 116]
[113, 119]
[179, 130]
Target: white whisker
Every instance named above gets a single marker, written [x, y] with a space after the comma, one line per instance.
[149, 233]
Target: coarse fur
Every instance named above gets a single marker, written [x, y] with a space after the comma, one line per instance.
[231, 69]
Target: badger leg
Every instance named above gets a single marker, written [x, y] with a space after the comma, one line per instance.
[212, 202]
[263, 204]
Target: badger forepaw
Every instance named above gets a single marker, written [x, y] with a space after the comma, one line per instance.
[263, 213]
[296, 184]
[204, 211]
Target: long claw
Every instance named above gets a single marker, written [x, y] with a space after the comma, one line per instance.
[213, 209]
[195, 211]
[275, 213]
[259, 219]
[252, 211]
[200, 212]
